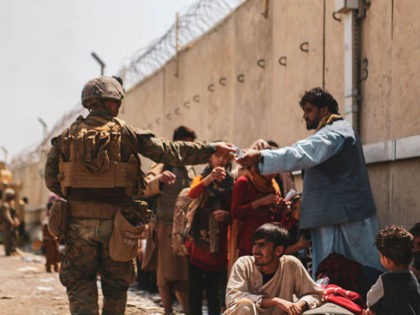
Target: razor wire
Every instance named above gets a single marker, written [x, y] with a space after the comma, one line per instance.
[193, 23]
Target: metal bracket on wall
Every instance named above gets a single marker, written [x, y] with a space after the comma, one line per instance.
[304, 47]
[196, 98]
[222, 81]
[241, 78]
[168, 116]
[261, 63]
[210, 87]
[177, 111]
[363, 6]
[266, 9]
[334, 15]
[187, 104]
[283, 61]
[365, 71]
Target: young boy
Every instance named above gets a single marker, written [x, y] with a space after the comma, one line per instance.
[396, 291]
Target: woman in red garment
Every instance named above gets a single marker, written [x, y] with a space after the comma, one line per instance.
[256, 200]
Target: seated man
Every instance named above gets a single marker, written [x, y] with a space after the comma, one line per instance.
[268, 281]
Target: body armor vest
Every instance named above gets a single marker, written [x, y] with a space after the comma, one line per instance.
[91, 157]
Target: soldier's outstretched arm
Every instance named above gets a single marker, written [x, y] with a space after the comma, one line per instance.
[162, 150]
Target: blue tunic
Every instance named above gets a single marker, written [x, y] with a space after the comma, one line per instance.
[337, 203]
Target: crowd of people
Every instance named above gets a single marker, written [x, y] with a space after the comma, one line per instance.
[332, 235]
[251, 243]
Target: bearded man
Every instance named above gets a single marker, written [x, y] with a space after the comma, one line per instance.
[337, 202]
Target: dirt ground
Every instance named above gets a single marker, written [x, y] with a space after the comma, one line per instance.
[25, 288]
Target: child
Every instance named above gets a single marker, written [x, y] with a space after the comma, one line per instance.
[396, 291]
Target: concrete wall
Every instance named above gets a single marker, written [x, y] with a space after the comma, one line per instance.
[251, 46]
[229, 84]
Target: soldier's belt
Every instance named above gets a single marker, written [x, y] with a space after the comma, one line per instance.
[93, 210]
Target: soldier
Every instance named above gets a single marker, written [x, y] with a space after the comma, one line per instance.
[10, 222]
[95, 166]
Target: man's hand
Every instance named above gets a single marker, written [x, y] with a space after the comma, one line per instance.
[260, 144]
[250, 158]
[217, 174]
[167, 177]
[289, 307]
[271, 199]
[16, 222]
[303, 242]
[368, 312]
[224, 148]
[221, 215]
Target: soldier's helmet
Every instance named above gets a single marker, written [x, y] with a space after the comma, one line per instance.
[102, 87]
[9, 192]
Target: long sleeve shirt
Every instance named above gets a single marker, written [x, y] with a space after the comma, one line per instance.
[303, 154]
[291, 278]
[336, 186]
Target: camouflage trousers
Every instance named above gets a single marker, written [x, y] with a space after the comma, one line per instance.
[9, 239]
[85, 256]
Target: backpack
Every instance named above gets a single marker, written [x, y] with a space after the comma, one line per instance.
[91, 157]
[184, 211]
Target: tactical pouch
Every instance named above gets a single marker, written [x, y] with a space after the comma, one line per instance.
[59, 218]
[124, 239]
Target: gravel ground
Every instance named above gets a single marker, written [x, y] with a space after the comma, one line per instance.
[25, 288]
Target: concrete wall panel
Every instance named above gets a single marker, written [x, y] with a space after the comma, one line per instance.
[405, 63]
[252, 63]
[292, 27]
[375, 110]
[334, 51]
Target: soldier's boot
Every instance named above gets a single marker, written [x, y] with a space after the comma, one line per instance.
[114, 305]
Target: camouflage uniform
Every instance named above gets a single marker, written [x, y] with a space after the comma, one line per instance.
[8, 215]
[86, 252]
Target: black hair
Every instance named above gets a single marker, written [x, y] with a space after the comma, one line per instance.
[395, 243]
[182, 133]
[25, 200]
[272, 144]
[272, 232]
[320, 98]
[415, 230]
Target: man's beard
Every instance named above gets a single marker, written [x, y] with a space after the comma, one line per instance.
[311, 125]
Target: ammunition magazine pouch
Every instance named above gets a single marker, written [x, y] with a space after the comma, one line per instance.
[92, 210]
[124, 239]
[59, 218]
[92, 156]
[121, 174]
